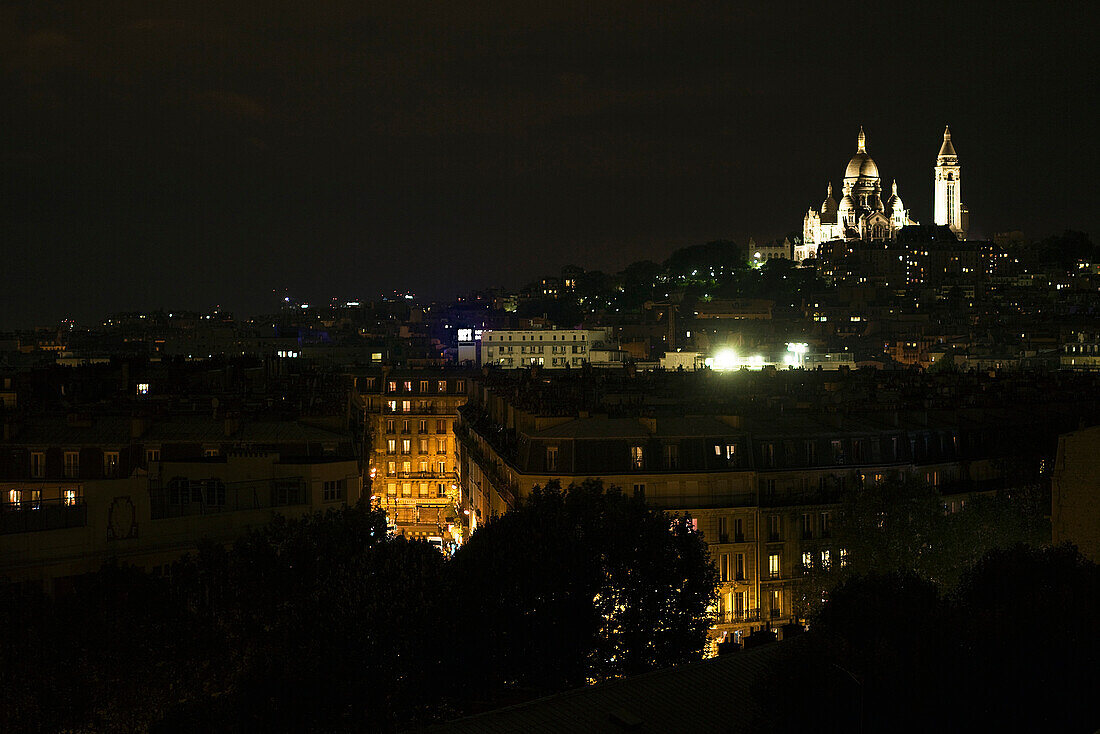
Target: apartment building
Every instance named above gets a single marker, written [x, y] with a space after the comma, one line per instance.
[410, 418]
[78, 491]
[548, 348]
[763, 489]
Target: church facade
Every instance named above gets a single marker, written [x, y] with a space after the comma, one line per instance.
[861, 213]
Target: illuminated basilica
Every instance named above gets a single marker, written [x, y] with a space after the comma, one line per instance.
[862, 214]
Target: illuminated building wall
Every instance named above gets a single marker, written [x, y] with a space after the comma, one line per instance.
[762, 490]
[411, 445]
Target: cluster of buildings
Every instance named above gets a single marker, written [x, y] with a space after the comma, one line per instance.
[759, 461]
[745, 388]
[141, 463]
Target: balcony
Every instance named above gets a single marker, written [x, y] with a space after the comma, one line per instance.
[51, 514]
[735, 617]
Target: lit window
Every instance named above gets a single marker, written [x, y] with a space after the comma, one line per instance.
[773, 565]
[391, 446]
[152, 455]
[807, 561]
[637, 457]
[70, 497]
[406, 406]
[142, 388]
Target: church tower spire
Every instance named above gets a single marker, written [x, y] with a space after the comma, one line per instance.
[861, 141]
[947, 181]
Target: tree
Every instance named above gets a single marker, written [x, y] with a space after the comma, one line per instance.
[327, 625]
[901, 526]
[1012, 648]
[579, 585]
[723, 257]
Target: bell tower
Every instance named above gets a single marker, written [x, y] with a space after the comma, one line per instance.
[949, 209]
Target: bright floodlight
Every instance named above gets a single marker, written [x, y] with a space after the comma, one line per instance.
[795, 352]
[724, 359]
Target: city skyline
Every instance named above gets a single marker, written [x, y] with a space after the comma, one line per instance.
[213, 155]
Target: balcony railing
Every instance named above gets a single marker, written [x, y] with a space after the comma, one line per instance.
[735, 617]
[49, 514]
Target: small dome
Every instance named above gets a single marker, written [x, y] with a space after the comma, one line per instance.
[893, 204]
[861, 166]
[829, 205]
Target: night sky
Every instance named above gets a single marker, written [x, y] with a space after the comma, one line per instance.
[199, 153]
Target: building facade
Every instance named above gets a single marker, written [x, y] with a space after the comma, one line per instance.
[77, 492]
[548, 348]
[409, 415]
[763, 490]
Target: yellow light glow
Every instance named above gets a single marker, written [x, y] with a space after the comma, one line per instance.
[724, 359]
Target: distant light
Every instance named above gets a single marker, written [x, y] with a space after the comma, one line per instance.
[724, 359]
[143, 388]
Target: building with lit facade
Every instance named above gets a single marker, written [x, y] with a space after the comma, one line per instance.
[409, 416]
[862, 214]
[548, 348]
[763, 486]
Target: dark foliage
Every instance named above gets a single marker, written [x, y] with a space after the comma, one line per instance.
[1013, 648]
[901, 527]
[578, 585]
[325, 624]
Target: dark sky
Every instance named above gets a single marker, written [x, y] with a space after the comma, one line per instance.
[195, 153]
